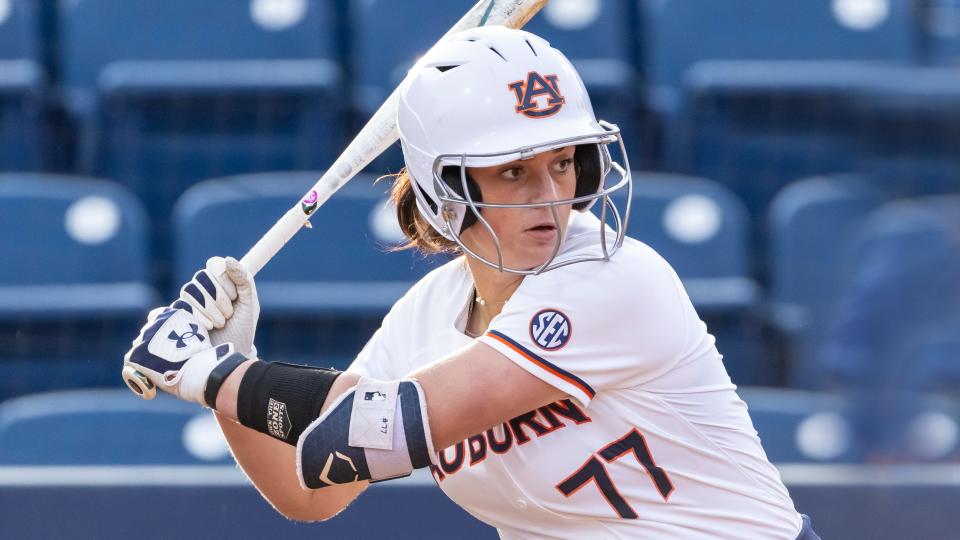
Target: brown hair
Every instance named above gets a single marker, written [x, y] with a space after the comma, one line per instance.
[418, 231]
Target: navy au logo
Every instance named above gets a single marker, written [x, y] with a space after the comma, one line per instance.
[550, 329]
[537, 96]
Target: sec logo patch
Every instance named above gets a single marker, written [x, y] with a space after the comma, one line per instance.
[550, 329]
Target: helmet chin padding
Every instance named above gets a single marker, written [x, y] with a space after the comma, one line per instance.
[587, 164]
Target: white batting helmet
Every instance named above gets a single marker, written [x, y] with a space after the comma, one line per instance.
[492, 95]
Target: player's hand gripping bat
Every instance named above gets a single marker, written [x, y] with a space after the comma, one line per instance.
[378, 134]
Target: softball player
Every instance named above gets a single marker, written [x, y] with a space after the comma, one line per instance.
[555, 377]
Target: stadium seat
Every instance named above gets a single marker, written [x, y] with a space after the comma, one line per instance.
[902, 287]
[700, 228]
[803, 427]
[812, 225]
[95, 225]
[756, 126]
[764, 30]
[383, 52]
[73, 283]
[912, 143]
[340, 271]
[931, 362]
[931, 424]
[107, 427]
[22, 81]
[198, 90]
[938, 22]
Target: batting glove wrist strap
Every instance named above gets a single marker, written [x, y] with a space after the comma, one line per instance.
[219, 374]
[376, 431]
[282, 399]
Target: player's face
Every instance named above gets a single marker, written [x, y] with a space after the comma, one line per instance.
[527, 235]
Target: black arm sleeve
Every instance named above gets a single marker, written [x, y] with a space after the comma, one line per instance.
[282, 399]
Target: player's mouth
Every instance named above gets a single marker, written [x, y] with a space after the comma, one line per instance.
[544, 232]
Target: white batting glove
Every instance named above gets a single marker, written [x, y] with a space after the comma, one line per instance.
[175, 353]
[224, 299]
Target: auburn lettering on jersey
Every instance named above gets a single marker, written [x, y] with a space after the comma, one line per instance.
[501, 439]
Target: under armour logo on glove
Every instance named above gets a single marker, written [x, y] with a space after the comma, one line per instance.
[181, 339]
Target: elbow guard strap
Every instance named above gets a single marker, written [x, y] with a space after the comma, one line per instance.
[282, 399]
[376, 431]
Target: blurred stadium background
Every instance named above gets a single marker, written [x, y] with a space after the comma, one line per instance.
[797, 161]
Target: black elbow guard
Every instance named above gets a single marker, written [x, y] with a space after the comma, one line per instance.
[282, 399]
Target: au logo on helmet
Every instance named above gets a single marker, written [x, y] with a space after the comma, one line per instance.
[531, 91]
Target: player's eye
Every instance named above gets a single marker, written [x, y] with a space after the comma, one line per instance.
[512, 173]
[564, 165]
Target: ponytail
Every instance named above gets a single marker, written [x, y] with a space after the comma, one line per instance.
[419, 233]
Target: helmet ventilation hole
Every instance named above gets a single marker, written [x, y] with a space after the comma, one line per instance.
[534, 51]
[498, 54]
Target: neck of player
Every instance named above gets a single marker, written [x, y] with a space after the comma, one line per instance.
[494, 288]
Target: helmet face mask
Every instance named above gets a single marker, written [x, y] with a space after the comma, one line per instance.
[477, 114]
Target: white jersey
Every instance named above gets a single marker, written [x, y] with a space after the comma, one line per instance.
[653, 441]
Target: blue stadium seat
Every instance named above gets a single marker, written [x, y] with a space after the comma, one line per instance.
[18, 30]
[803, 427]
[73, 283]
[107, 427]
[812, 226]
[938, 21]
[200, 89]
[21, 88]
[932, 364]
[680, 33]
[700, 228]
[902, 287]
[340, 271]
[930, 425]
[913, 122]
[70, 246]
[756, 126]
[381, 57]
[166, 31]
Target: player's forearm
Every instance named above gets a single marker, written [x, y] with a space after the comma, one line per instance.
[227, 397]
[271, 464]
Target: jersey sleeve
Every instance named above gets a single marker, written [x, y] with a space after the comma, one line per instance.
[595, 326]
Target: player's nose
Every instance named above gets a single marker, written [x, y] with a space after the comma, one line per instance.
[543, 186]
